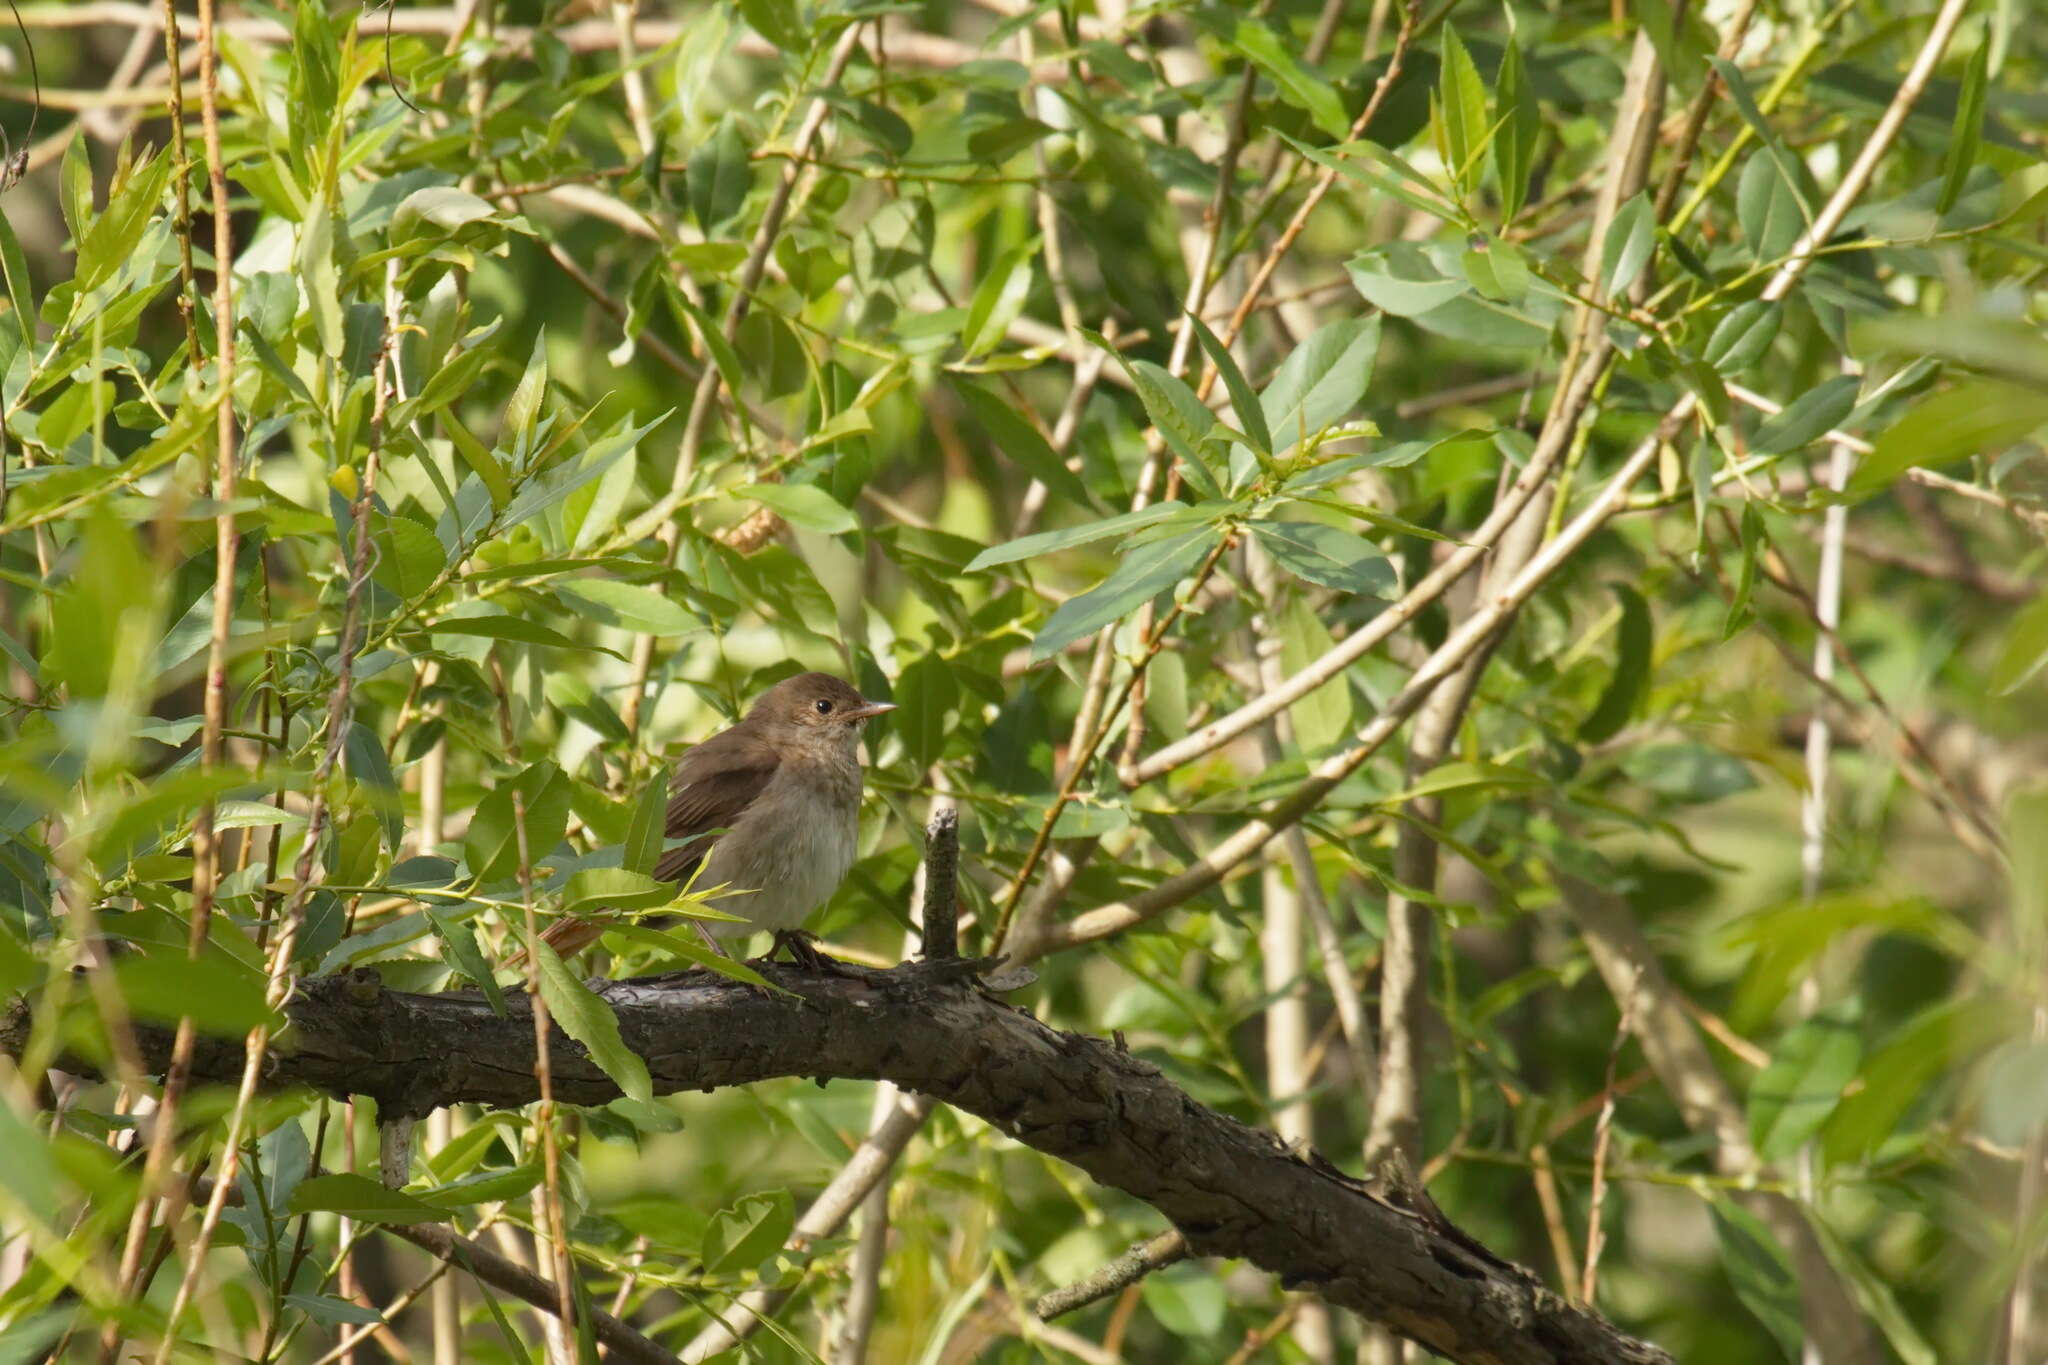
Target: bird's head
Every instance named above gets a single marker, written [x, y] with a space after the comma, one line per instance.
[816, 712]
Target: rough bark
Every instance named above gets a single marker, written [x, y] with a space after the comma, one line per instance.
[1233, 1190]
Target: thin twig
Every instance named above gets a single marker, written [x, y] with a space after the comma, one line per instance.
[1168, 1248]
[1603, 1132]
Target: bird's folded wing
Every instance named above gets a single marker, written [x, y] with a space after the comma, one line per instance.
[714, 784]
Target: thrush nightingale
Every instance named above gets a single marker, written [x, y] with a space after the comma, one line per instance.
[770, 807]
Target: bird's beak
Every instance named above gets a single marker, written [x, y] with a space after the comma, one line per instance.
[867, 709]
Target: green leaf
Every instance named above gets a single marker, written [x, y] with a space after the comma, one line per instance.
[927, 694]
[1791, 1098]
[1981, 416]
[1244, 404]
[20, 286]
[330, 1311]
[464, 954]
[568, 475]
[523, 409]
[803, 504]
[591, 889]
[1045, 542]
[1018, 439]
[1961, 153]
[363, 1199]
[1323, 717]
[1144, 573]
[1808, 417]
[446, 207]
[1329, 555]
[645, 832]
[748, 1233]
[515, 628]
[1400, 280]
[1298, 86]
[1630, 682]
[1940, 1042]
[492, 1186]
[1183, 419]
[315, 260]
[408, 555]
[692, 950]
[371, 768]
[1626, 249]
[1514, 146]
[222, 997]
[719, 176]
[1461, 103]
[582, 1015]
[491, 843]
[1768, 209]
[1741, 338]
[2024, 649]
[1688, 772]
[1754, 540]
[1761, 1273]
[998, 299]
[629, 606]
[779, 21]
[1322, 380]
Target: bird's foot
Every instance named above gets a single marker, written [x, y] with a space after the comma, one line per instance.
[804, 952]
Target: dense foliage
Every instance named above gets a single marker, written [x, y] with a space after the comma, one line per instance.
[1646, 395]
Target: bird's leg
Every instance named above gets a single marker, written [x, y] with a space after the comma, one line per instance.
[710, 940]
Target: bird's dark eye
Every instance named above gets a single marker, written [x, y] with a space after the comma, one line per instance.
[824, 707]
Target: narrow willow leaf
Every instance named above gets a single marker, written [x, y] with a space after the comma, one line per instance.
[998, 299]
[591, 889]
[1630, 682]
[1322, 380]
[1181, 418]
[1045, 542]
[1769, 210]
[2025, 648]
[805, 505]
[1961, 153]
[1626, 249]
[584, 1016]
[629, 606]
[1978, 417]
[1244, 404]
[20, 288]
[464, 954]
[1016, 437]
[1328, 555]
[1144, 573]
[363, 1199]
[928, 691]
[719, 176]
[1299, 86]
[1514, 146]
[1761, 1273]
[1740, 339]
[1808, 417]
[1753, 543]
[1461, 104]
[644, 832]
[1791, 1098]
[515, 628]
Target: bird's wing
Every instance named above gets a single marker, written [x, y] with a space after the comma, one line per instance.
[714, 784]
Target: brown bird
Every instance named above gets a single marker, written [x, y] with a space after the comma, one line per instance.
[770, 807]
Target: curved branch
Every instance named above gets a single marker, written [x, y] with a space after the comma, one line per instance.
[1232, 1190]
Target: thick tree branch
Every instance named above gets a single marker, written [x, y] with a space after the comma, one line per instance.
[1232, 1190]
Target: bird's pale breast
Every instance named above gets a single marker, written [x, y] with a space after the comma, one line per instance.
[791, 848]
